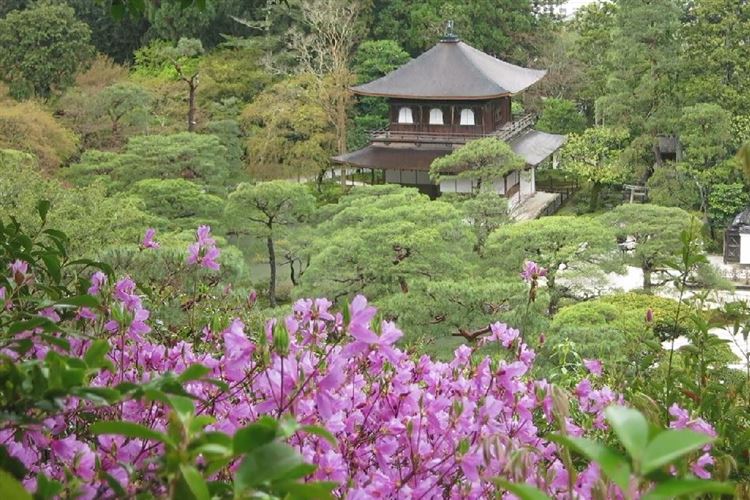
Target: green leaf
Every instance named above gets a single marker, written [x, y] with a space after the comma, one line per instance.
[96, 353]
[267, 463]
[42, 209]
[193, 372]
[131, 430]
[287, 426]
[631, 428]
[80, 301]
[614, 465]
[52, 263]
[11, 488]
[522, 491]
[195, 481]
[30, 324]
[100, 395]
[47, 488]
[670, 445]
[674, 488]
[182, 406]
[320, 490]
[115, 485]
[257, 434]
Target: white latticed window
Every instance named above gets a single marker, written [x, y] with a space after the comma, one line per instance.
[436, 116]
[405, 116]
[467, 117]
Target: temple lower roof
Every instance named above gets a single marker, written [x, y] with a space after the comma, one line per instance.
[532, 145]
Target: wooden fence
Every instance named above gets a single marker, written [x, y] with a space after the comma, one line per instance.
[564, 191]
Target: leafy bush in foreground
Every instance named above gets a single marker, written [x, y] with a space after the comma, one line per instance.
[91, 405]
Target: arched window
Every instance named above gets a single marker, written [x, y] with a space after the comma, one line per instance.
[436, 116]
[467, 117]
[405, 116]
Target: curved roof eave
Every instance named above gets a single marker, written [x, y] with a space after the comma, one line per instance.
[431, 98]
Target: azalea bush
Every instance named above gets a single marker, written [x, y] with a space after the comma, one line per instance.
[318, 403]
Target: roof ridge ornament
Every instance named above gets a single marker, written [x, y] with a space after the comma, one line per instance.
[449, 35]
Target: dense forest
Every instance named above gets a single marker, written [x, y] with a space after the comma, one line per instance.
[197, 302]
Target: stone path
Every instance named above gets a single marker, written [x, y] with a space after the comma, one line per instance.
[533, 206]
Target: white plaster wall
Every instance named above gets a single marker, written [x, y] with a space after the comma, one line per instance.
[408, 177]
[423, 177]
[527, 187]
[392, 176]
[499, 187]
[744, 248]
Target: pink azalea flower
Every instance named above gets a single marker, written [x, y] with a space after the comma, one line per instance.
[501, 333]
[238, 350]
[594, 366]
[532, 271]
[204, 251]
[19, 272]
[699, 467]
[148, 239]
[85, 313]
[98, 279]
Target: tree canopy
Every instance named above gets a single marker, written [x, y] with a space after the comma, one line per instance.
[42, 49]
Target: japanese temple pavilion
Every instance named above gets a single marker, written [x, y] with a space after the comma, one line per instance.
[449, 95]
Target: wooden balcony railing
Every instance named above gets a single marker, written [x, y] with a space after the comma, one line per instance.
[506, 132]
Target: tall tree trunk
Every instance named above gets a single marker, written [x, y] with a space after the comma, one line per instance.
[192, 86]
[272, 264]
[596, 189]
[647, 283]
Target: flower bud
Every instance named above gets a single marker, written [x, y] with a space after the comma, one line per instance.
[281, 340]
[649, 315]
[252, 297]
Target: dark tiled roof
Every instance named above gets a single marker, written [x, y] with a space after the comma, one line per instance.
[532, 145]
[453, 70]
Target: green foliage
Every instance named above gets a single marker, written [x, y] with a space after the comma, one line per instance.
[486, 212]
[104, 108]
[705, 134]
[26, 126]
[209, 22]
[726, 201]
[179, 204]
[671, 186]
[648, 450]
[486, 160]
[196, 157]
[560, 116]
[268, 465]
[555, 243]
[42, 49]
[124, 103]
[230, 135]
[288, 130]
[642, 68]
[593, 24]
[268, 209]
[382, 240]
[417, 25]
[90, 218]
[656, 232]
[233, 73]
[117, 38]
[614, 329]
[373, 59]
[594, 156]
[716, 69]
